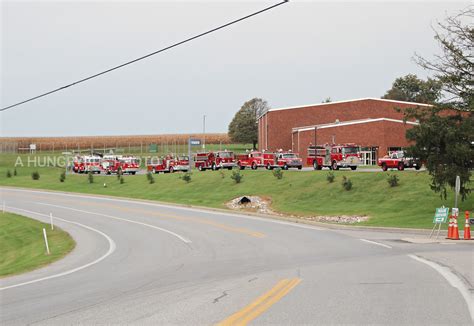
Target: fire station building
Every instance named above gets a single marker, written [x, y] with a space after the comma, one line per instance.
[375, 124]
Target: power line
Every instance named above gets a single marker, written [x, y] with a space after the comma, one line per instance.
[143, 57]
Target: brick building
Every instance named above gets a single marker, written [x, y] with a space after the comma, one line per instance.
[374, 124]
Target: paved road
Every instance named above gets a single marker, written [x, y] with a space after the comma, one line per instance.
[143, 263]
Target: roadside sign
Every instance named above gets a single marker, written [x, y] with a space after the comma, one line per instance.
[455, 211]
[441, 215]
[153, 148]
[195, 142]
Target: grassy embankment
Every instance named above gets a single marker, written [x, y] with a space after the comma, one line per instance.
[22, 246]
[411, 204]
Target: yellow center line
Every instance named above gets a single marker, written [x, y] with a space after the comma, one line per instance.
[261, 304]
[177, 217]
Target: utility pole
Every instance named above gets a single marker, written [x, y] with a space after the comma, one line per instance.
[204, 132]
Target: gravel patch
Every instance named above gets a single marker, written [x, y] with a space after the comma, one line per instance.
[262, 206]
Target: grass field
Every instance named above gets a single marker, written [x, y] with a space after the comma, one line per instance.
[22, 246]
[411, 204]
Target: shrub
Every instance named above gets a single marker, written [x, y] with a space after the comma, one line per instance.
[393, 180]
[346, 183]
[122, 180]
[62, 177]
[150, 178]
[236, 176]
[330, 177]
[15, 173]
[186, 177]
[221, 172]
[9, 174]
[90, 177]
[278, 173]
[35, 175]
[119, 173]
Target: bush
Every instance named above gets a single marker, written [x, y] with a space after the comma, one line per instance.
[330, 177]
[236, 176]
[393, 180]
[346, 183]
[35, 175]
[62, 177]
[186, 177]
[150, 178]
[122, 180]
[221, 172]
[15, 173]
[278, 173]
[119, 173]
[90, 177]
[9, 174]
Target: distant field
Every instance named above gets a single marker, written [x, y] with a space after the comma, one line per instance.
[22, 246]
[411, 204]
[125, 143]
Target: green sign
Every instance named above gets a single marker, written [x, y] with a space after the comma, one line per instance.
[153, 148]
[441, 215]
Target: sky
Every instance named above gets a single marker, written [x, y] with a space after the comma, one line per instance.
[299, 53]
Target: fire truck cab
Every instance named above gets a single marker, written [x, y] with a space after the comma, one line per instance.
[284, 160]
[214, 160]
[92, 164]
[334, 156]
[252, 159]
[78, 164]
[129, 164]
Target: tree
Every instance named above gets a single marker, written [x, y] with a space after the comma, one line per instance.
[454, 66]
[243, 128]
[412, 89]
[445, 136]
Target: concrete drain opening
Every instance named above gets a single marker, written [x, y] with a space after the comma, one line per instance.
[244, 200]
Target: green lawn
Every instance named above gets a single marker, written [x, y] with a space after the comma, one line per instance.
[22, 245]
[411, 204]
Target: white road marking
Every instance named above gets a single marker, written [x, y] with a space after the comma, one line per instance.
[192, 209]
[112, 247]
[185, 240]
[376, 243]
[453, 280]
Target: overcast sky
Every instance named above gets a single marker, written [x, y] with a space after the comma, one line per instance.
[298, 53]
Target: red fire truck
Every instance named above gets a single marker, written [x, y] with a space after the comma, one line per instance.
[334, 156]
[78, 164]
[399, 161]
[252, 159]
[91, 164]
[214, 160]
[284, 160]
[129, 164]
[167, 164]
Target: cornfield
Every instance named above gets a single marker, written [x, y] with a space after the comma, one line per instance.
[14, 144]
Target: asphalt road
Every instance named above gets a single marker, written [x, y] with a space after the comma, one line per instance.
[143, 263]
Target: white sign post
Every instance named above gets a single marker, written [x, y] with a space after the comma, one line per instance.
[51, 218]
[457, 189]
[46, 240]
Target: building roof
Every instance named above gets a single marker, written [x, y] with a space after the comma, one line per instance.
[346, 101]
[349, 123]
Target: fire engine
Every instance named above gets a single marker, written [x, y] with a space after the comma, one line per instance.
[399, 161]
[92, 164]
[284, 160]
[78, 165]
[218, 160]
[129, 164]
[334, 156]
[253, 160]
[110, 164]
[167, 164]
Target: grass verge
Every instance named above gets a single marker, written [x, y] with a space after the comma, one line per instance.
[22, 246]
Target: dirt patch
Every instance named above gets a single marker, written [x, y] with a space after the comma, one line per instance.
[262, 205]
